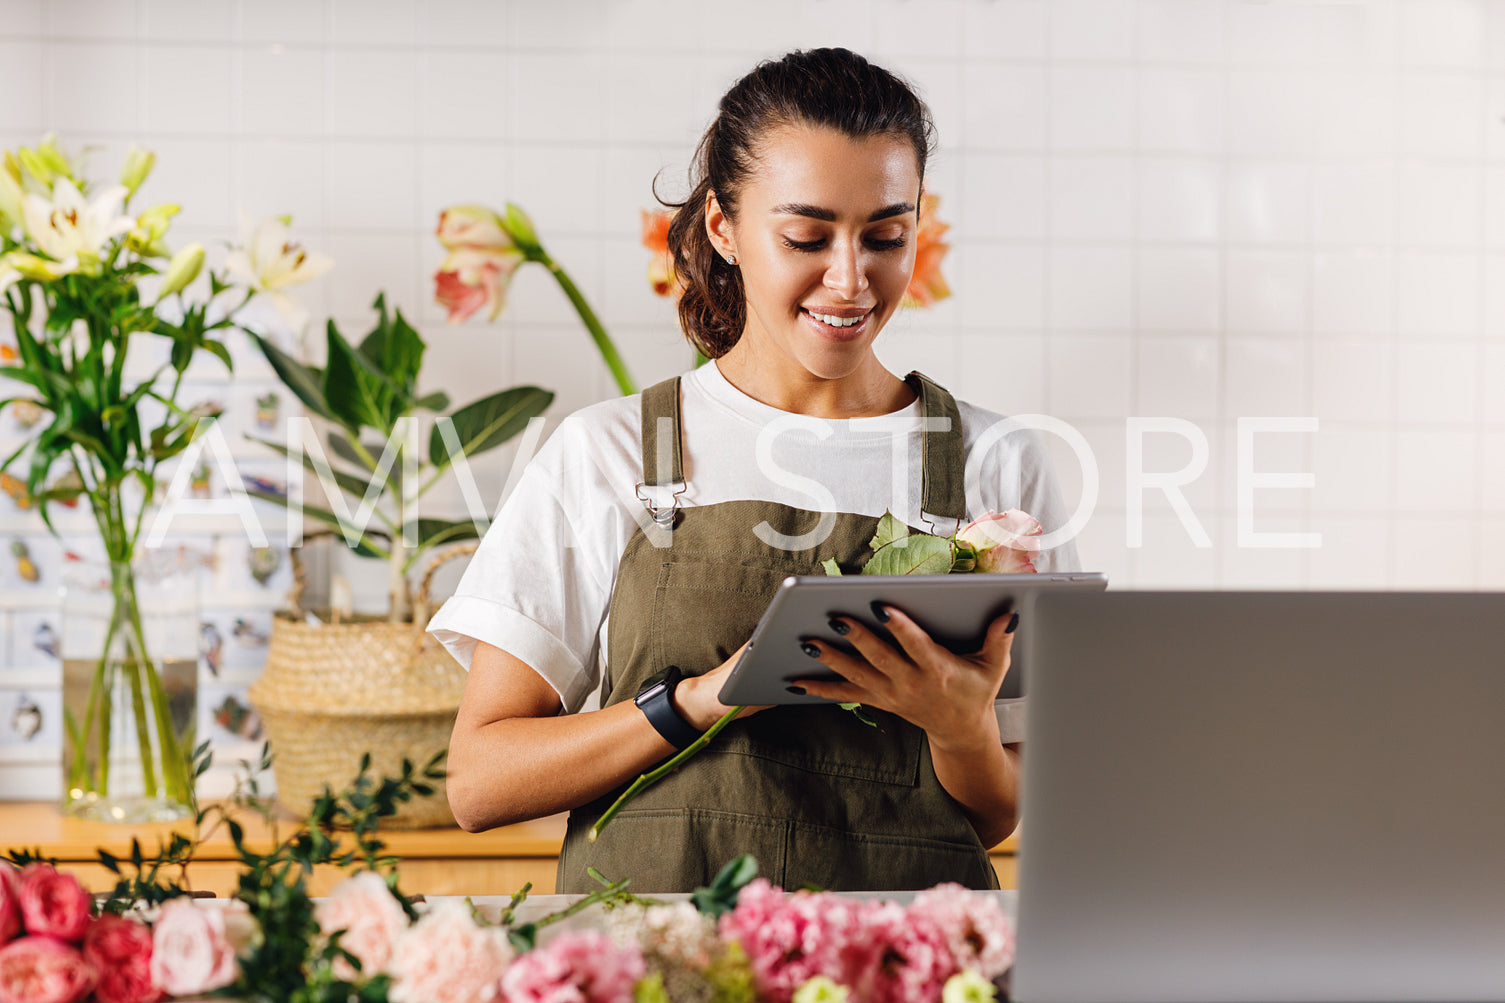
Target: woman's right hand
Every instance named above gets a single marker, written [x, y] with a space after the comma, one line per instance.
[696, 698]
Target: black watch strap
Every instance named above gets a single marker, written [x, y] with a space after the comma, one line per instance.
[653, 700]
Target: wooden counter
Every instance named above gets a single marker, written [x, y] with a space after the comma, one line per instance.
[434, 861]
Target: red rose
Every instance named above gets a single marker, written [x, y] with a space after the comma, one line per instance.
[120, 949]
[43, 970]
[10, 907]
[127, 983]
[53, 904]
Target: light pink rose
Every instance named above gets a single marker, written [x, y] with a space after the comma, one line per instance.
[446, 958]
[53, 904]
[120, 950]
[192, 948]
[37, 969]
[588, 967]
[10, 907]
[371, 917]
[1004, 542]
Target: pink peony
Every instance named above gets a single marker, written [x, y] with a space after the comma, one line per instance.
[10, 907]
[899, 960]
[1004, 541]
[976, 928]
[371, 917]
[193, 949]
[53, 904]
[446, 958]
[120, 951]
[38, 969]
[790, 939]
[586, 967]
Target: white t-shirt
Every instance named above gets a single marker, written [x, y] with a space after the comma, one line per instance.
[540, 584]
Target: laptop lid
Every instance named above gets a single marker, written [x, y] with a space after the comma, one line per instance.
[1264, 796]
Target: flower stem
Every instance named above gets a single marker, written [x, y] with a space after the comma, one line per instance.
[592, 324]
[647, 780]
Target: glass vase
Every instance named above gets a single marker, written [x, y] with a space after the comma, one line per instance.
[130, 690]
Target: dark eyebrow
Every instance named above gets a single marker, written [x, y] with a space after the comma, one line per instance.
[816, 212]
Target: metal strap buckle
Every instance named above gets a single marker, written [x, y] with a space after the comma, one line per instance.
[664, 517]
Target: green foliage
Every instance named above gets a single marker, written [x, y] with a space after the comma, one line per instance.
[721, 896]
[370, 392]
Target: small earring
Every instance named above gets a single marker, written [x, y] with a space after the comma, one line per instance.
[731, 259]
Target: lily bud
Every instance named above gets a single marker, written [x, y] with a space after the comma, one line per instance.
[33, 267]
[151, 227]
[34, 165]
[53, 157]
[520, 228]
[183, 269]
[138, 164]
[10, 202]
[473, 227]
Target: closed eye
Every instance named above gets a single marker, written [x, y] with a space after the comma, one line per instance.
[816, 245]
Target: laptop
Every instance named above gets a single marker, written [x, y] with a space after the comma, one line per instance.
[1264, 796]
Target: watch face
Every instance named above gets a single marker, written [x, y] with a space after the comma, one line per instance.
[650, 688]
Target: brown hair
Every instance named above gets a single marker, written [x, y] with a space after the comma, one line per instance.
[834, 88]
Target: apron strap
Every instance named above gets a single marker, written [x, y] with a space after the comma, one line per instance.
[943, 459]
[661, 413]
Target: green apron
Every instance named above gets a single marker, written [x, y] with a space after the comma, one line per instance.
[814, 794]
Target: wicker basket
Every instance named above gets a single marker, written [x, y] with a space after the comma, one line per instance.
[332, 692]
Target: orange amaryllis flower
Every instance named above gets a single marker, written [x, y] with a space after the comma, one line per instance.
[928, 285]
[661, 268]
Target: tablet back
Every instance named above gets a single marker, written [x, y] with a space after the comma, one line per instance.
[1264, 796]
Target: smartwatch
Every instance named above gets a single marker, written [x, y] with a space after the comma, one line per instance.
[653, 700]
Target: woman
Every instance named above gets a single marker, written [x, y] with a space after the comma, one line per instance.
[673, 516]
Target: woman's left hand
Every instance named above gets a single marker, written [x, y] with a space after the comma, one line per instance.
[947, 695]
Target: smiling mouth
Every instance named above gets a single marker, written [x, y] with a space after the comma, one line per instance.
[835, 325]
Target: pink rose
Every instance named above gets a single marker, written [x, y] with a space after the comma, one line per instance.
[10, 907]
[120, 950]
[53, 904]
[192, 948]
[1004, 542]
[979, 932]
[446, 958]
[588, 967]
[43, 970]
[371, 917]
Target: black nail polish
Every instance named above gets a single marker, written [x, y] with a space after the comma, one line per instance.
[840, 626]
[810, 649]
[879, 611]
[1013, 622]
[798, 691]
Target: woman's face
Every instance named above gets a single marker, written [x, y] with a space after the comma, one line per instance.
[825, 241]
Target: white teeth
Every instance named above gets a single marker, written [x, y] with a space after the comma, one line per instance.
[837, 321]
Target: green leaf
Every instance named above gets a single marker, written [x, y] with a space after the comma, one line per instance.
[302, 380]
[721, 895]
[919, 555]
[432, 532]
[490, 421]
[339, 445]
[349, 483]
[351, 392]
[433, 402]
[364, 547]
[832, 568]
[889, 530]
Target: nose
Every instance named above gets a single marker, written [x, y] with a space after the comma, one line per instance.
[846, 272]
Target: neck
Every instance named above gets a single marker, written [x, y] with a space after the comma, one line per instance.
[867, 392]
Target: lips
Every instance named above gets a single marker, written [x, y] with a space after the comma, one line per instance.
[837, 323]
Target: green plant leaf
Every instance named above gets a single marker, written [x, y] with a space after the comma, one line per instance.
[889, 530]
[432, 532]
[302, 380]
[920, 555]
[490, 421]
[433, 402]
[351, 392]
[339, 445]
[832, 568]
[349, 483]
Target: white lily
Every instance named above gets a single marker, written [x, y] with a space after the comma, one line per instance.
[71, 229]
[268, 261]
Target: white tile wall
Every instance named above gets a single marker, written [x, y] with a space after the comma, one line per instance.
[1197, 208]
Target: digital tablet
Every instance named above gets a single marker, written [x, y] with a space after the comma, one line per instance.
[954, 609]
